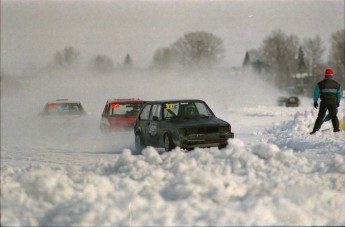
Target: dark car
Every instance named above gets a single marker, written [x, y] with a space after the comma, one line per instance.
[183, 123]
[292, 101]
[282, 101]
[63, 107]
[119, 114]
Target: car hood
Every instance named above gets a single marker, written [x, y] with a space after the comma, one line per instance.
[198, 122]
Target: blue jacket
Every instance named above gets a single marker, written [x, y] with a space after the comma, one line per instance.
[328, 90]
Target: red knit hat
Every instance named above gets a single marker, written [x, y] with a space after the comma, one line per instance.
[329, 73]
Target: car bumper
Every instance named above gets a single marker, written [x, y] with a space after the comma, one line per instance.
[204, 140]
[116, 128]
[292, 105]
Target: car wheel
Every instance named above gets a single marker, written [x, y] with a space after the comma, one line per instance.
[168, 143]
[104, 131]
[221, 146]
[139, 145]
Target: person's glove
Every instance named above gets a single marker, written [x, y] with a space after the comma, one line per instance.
[316, 105]
[337, 104]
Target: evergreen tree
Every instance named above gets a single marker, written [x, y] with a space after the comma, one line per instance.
[301, 61]
[102, 63]
[128, 64]
[246, 61]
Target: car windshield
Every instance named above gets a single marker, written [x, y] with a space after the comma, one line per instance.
[128, 109]
[186, 109]
[293, 99]
[63, 108]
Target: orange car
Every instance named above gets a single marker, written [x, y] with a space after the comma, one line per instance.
[120, 114]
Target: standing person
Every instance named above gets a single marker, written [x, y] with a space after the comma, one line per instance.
[328, 90]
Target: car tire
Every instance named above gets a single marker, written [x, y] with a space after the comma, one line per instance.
[139, 144]
[221, 146]
[104, 130]
[168, 143]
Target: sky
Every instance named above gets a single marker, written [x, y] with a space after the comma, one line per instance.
[33, 30]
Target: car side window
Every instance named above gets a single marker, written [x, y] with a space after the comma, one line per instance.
[202, 109]
[110, 110]
[171, 110]
[105, 110]
[156, 111]
[145, 113]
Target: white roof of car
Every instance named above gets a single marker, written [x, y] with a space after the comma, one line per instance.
[64, 101]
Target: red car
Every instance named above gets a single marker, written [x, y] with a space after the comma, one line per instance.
[120, 114]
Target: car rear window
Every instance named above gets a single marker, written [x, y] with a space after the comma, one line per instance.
[63, 108]
[128, 109]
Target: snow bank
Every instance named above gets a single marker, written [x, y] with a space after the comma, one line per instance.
[79, 177]
[257, 184]
[294, 134]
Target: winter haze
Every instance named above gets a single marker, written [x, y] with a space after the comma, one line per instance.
[32, 31]
[69, 174]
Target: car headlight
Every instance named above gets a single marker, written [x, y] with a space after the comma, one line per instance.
[224, 129]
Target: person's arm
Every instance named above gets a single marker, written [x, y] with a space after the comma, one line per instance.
[316, 93]
[339, 95]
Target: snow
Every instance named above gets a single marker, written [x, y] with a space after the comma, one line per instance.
[272, 173]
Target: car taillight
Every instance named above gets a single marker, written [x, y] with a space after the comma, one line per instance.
[115, 106]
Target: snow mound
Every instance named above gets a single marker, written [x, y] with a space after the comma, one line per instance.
[294, 134]
[242, 184]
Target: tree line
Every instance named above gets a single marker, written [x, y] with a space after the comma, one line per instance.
[194, 50]
[70, 58]
[287, 61]
[281, 58]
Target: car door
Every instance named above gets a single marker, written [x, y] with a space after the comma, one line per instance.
[154, 126]
[142, 124]
[104, 124]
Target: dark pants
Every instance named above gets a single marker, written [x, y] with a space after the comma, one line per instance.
[332, 110]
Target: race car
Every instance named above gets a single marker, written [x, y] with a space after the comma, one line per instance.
[281, 101]
[292, 101]
[119, 114]
[63, 120]
[64, 108]
[186, 123]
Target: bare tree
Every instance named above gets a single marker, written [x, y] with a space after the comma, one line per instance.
[279, 51]
[102, 63]
[193, 50]
[67, 58]
[337, 54]
[313, 49]
[199, 49]
[165, 58]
